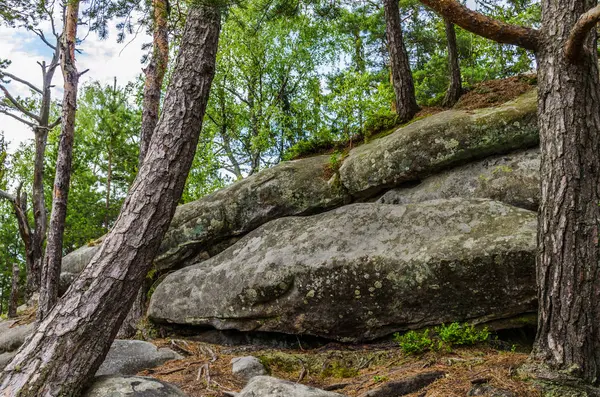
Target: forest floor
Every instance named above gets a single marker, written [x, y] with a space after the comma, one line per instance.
[495, 92]
[348, 369]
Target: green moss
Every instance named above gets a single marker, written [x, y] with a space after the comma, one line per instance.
[338, 369]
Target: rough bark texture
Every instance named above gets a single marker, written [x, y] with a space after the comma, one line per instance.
[455, 87]
[483, 25]
[53, 255]
[69, 345]
[568, 268]
[129, 327]
[568, 262]
[406, 103]
[582, 28]
[155, 74]
[14, 292]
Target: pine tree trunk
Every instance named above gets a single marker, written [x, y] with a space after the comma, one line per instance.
[568, 269]
[155, 74]
[129, 327]
[406, 103]
[455, 87]
[53, 255]
[14, 292]
[69, 345]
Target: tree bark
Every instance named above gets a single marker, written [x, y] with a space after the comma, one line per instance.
[568, 269]
[14, 292]
[129, 327]
[69, 345]
[155, 74]
[455, 87]
[53, 254]
[568, 261]
[406, 103]
[485, 26]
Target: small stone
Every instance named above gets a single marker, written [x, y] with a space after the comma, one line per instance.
[266, 386]
[131, 386]
[247, 367]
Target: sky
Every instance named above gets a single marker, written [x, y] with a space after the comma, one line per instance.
[105, 60]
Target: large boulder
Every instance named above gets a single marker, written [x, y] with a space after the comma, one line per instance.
[363, 271]
[125, 357]
[12, 335]
[128, 357]
[266, 386]
[440, 141]
[131, 386]
[291, 188]
[513, 178]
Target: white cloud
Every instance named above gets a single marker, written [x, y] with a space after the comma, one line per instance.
[105, 60]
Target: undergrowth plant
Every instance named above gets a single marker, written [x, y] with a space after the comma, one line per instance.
[443, 337]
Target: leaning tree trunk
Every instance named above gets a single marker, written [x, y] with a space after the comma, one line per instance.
[568, 269]
[406, 102]
[14, 292]
[155, 75]
[455, 87]
[53, 256]
[69, 345]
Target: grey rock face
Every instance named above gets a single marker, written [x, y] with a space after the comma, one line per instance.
[131, 386]
[128, 357]
[5, 358]
[513, 178]
[247, 367]
[363, 271]
[290, 188]
[440, 141]
[266, 386]
[12, 336]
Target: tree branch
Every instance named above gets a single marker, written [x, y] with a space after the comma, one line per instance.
[56, 122]
[584, 24]
[8, 196]
[18, 105]
[40, 34]
[485, 26]
[14, 116]
[15, 78]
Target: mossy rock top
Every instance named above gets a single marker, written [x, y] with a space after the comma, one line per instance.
[440, 141]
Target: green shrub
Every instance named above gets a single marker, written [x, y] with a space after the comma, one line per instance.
[444, 337]
[414, 342]
[308, 147]
[457, 334]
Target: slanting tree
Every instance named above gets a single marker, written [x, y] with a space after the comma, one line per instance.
[454, 91]
[155, 74]
[34, 236]
[53, 255]
[402, 80]
[90, 313]
[14, 292]
[568, 268]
